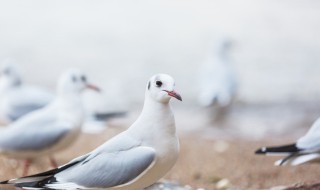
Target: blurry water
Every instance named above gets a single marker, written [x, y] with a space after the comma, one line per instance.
[122, 43]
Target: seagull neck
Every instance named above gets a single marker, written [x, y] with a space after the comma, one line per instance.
[152, 107]
[69, 101]
[70, 109]
[219, 56]
[63, 94]
[156, 117]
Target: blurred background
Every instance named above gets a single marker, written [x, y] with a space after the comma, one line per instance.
[275, 55]
[121, 44]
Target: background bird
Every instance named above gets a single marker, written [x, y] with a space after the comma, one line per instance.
[134, 159]
[217, 79]
[306, 149]
[16, 97]
[50, 129]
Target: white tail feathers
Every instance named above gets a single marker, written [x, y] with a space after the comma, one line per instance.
[299, 159]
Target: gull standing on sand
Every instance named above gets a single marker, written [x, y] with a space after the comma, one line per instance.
[132, 160]
[50, 129]
[17, 98]
[306, 149]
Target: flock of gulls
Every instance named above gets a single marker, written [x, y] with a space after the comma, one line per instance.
[39, 124]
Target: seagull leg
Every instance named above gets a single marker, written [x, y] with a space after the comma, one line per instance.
[26, 165]
[53, 162]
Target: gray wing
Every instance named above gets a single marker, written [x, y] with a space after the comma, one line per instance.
[312, 139]
[32, 138]
[18, 111]
[117, 162]
[108, 169]
[25, 100]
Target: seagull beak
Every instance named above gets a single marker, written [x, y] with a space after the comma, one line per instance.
[174, 94]
[93, 87]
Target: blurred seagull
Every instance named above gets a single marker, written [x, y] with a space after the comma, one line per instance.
[50, 129]
[98, 112]
[134, 159]
[217, 79]
[306, 149]
[17, 98]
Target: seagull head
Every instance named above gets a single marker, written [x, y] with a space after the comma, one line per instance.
[10, 75]
[161, 87]
[74, 81]
[223, 46]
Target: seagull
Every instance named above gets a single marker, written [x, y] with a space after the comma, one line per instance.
[217, 78]
[17, 98]
[134, 159]
[306, 149]
[49, 129]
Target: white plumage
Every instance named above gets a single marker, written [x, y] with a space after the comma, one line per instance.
[50, 129]
[134, 159]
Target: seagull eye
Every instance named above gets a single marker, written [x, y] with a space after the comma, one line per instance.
[84, 78]
[158, 83]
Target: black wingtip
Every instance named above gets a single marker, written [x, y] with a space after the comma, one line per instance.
[282, 162]
[291, 148]
[37, 184]
[4, 182]
[262, 150]
[107, 116]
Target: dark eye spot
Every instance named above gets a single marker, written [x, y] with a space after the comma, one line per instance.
[149, 85]
[158, 83]
[84, 78]
[74, 78]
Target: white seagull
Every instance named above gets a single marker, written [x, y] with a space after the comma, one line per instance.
[134, 159]
[17, 98]
[50, 129]
[217, 78]
[306, 149]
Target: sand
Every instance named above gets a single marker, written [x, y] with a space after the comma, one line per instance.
[210, 153]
